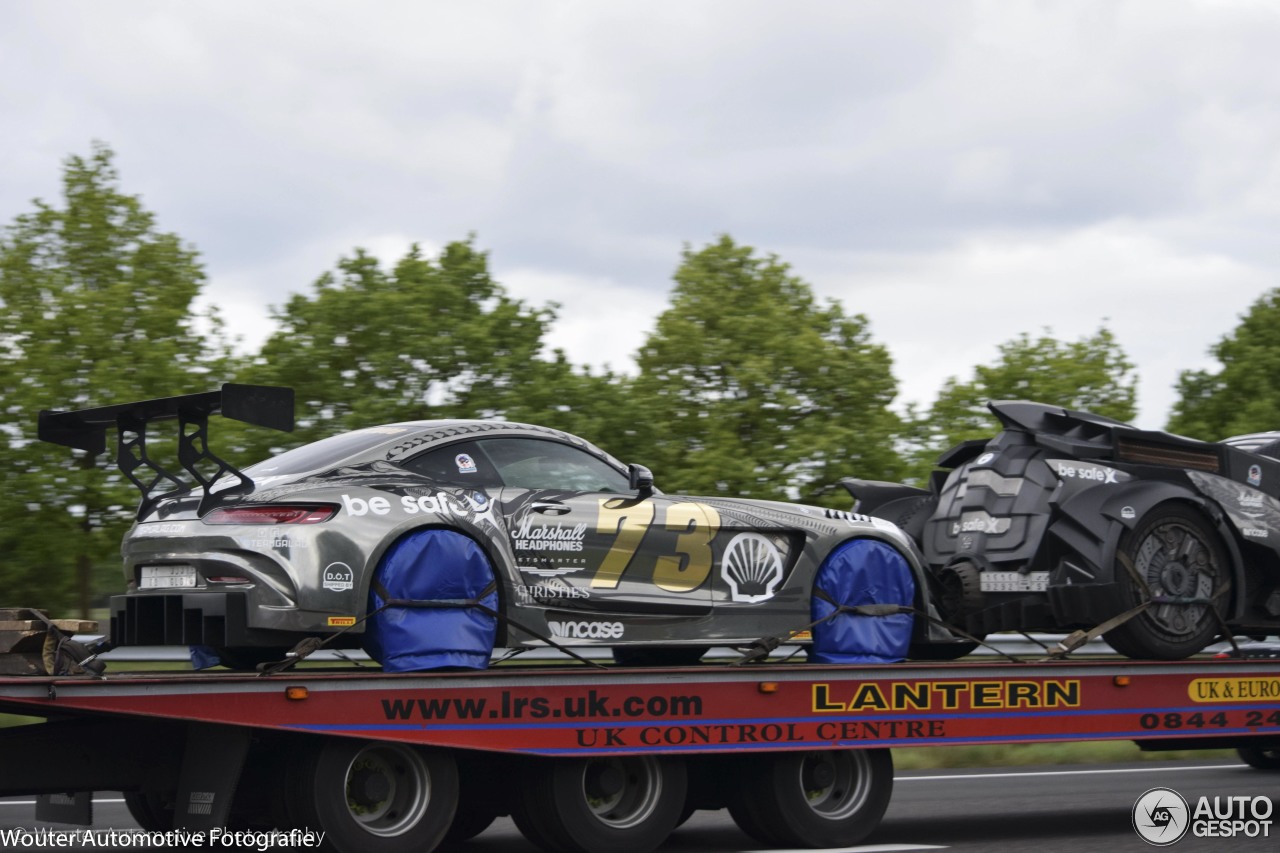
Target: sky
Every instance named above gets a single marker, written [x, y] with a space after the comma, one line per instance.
[959, 172]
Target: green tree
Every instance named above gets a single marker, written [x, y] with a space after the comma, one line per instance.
[97, 310]
[1242, 396]
[1091, 374]
[427, 338]
[750, 386]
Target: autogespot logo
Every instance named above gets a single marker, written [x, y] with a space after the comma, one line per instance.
[1160, 817]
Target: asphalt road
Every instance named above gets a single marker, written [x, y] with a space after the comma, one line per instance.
[996, 810]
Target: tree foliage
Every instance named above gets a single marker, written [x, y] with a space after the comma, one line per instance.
[1242, 396]
[427, 338]
[1091, 374]
[750, 386]
[97, 309]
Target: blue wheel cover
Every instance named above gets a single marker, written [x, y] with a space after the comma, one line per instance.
[432, 565]
[862, 571]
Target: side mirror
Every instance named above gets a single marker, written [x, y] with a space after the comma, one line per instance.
[641, 479]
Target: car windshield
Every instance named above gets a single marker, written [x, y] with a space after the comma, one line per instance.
[323, 453]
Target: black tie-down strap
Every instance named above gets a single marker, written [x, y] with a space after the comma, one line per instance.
[765, 646]
[1078, 638]
[309, 645]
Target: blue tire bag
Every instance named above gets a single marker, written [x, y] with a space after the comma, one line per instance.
[862, 571]
[429, 576]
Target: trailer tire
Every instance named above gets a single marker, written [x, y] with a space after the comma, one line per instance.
[373, 796]
[1260, 758]
[152, 811]
[624, 804]
[818, 798]
[469, 822]
[480, 801]
[750, 822]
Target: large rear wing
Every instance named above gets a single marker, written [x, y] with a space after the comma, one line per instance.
[86, 429]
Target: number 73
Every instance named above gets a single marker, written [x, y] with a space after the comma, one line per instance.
[629, 521]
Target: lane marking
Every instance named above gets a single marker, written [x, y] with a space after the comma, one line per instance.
[33, 802]
[1156, 768]
[870, 848]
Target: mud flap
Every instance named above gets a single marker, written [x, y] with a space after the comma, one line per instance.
[432, 579]
[862, 572]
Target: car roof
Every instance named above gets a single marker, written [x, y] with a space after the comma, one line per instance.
[397, 441]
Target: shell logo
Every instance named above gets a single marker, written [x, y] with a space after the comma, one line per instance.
[752, 567]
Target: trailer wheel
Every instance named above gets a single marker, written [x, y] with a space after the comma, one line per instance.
[374, 797]
[1177, 556]
[621, 804]
[819, 798]
[1260, 758]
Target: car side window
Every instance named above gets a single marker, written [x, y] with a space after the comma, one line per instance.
[530, 463]
[463, 464]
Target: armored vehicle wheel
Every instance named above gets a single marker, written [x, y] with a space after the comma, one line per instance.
[1178, 563]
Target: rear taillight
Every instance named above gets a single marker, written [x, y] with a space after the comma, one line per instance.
[271, 514]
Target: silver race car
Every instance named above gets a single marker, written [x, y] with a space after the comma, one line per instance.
[430, 543]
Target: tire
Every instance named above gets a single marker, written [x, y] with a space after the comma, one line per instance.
[627, 804]
[749, 820]
[468, 822]
[1177, 554]
[153, 811]
[819, 798]
[373, 797]
[480, 800]
[658, 655]
[910, 513]
[941, 651]
[1260, 758]
[248, 658]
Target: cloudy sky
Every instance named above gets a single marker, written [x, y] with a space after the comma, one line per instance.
[959, 172]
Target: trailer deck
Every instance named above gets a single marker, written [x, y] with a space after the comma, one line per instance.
[584, 759]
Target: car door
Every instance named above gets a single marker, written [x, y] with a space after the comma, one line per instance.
[584, 540]
[611, 552]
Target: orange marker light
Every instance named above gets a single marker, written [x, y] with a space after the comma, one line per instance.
[767, 687]
[1121, 681]
[295, 693]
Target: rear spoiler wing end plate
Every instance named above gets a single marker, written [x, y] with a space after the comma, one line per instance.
[86, 429]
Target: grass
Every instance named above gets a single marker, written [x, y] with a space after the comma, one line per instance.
[1022, 755]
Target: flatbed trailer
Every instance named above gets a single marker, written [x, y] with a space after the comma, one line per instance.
[583, 758]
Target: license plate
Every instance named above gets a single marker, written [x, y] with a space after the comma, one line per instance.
[1015, 581]
[167, 577]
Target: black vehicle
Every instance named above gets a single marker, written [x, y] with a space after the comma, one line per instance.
[1066, 519]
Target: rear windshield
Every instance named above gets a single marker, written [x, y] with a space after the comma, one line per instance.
[324, 453]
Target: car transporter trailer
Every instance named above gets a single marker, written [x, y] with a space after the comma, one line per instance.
[584, 758]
